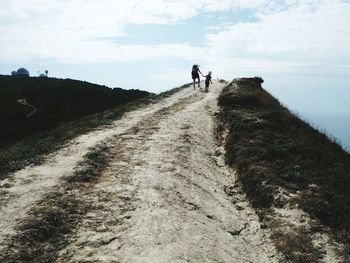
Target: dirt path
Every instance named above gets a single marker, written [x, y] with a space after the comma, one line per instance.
[21, 190]
[166, 195]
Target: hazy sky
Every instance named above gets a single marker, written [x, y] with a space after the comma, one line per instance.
[300, 48]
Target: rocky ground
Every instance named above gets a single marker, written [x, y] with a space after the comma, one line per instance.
[152, 187]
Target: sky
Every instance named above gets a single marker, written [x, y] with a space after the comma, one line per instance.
[300, 47]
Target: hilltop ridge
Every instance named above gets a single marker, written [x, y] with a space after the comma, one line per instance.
[148, 187]
[296, 178]
[225, 176]
[55, 100]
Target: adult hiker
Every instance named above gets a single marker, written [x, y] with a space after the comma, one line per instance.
[207, 81]
[195, 75]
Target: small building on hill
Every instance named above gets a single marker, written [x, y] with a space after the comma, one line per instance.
[20, 72]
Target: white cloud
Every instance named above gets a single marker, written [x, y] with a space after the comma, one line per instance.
[294, 30]
[308, 34]
[289, 33]
[78, 30]
[175, 76]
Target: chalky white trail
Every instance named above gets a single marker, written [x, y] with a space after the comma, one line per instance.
[166, 195]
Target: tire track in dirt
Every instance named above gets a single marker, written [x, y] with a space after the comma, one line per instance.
[52, 218]
[153, 189]
[114, 199]
[50, 221]
[164, 198]
[21, 191]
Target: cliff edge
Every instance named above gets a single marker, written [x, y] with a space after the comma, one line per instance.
[297, 179]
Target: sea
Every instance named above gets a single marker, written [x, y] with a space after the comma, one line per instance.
[335, 125]
[324, 105]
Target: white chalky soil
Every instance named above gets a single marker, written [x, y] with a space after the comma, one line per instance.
[162, 197]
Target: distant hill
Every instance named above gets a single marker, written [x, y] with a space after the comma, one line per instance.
[56, 101]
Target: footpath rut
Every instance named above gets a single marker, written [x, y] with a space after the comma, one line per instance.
[165, 194]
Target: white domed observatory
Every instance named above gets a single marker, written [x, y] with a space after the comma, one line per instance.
[22, 72]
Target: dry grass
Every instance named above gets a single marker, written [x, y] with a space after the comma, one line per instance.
[32, 149]
[50, 222]
[272, 149]
[56, 100]
[296, 247]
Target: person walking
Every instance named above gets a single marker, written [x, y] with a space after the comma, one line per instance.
[208, 81]
[195, 75]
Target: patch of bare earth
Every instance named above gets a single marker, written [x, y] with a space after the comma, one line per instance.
[155, 189]
[21, 191]
[300, 237]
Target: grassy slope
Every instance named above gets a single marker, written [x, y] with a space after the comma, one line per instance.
[273, 149]
[49, 224]
[33, 148]
[57, 100]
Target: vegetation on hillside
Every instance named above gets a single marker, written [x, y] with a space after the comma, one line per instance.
[35, 146]
[44, 232]
[50, 223]
[56, 101]
[273, 151]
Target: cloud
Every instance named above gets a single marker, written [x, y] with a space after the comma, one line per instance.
[77, 30]
[302, 29]
[304, 35]
[175, 76]
[284, 34]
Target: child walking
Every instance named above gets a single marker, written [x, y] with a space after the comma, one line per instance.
[207, 81]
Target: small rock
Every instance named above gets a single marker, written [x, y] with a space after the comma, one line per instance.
[218, 153]
[6, 185]
[235, 200]
[239, 208]
[234, 232]
[229, 190]
[109, 240]
[210, 216]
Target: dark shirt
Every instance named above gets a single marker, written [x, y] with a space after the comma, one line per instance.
[207, 78]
